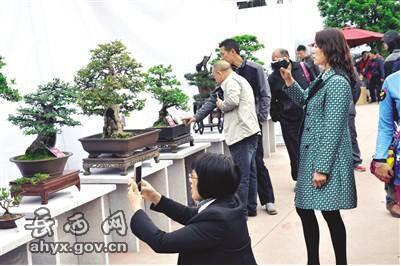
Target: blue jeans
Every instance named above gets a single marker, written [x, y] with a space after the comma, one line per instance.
[243, 154]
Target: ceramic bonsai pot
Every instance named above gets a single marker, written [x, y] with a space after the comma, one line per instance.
[142, 138]
[54, 166]
[8, 221]
[172, 133]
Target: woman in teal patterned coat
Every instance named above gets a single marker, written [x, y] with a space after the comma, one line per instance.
[326, 179]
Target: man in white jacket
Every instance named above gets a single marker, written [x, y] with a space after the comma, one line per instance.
[240, 127]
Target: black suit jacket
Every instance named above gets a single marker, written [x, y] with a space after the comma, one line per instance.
[282, 107]
[217, 235]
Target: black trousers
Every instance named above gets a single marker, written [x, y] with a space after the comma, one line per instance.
[290, 131]
[311, 234]
[356, 153]
[374, 86]
[265, 188]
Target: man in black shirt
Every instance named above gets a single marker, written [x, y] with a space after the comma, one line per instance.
[283, 109]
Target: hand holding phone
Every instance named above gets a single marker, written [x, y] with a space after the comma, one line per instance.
[138, 176]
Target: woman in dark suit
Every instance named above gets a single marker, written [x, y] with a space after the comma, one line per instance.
[214, 233]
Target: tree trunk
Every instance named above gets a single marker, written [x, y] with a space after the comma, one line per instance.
[41, 144]
[163, 113]
[112, 122]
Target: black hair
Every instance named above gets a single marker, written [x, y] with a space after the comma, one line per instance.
[218, 176]
[392, 39]
[301, 48]
[230, 44]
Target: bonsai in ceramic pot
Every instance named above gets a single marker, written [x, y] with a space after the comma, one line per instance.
[164, 87]
[109, 85]
[203, 79]
[43, 114]
[7, 219]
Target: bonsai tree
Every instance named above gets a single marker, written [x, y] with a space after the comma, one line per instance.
[110, 84]
[202, 78]
[16, 185]
[6, 202]
[6, 92]
[164, 87]
[44, 113]
[248, 45]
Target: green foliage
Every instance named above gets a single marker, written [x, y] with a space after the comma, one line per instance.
[201, 79]
[248, 45]
[374, 15]
[6, 201]
[163, 86]
[35, 179]
[6, 92]
[112, 77]
[47, 109]
[31, 157]
[122, 135]
[161, 123]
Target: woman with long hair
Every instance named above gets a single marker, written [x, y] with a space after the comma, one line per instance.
[326, 179]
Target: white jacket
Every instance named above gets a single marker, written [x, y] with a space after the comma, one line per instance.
[240, 120]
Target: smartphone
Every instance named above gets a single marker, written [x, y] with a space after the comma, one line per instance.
[138, 176]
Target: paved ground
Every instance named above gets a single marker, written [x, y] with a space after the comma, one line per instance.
[373, 235]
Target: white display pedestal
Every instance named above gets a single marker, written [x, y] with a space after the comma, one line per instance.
[155, 173]
[92, 201]
[216, 140]
[179, 170]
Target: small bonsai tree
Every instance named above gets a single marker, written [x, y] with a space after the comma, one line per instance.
[6, 92]
[44, 113]
[202, 78]
[6, 201]
[248, 45]
[16, 185]
[110, 84]
[164, 87]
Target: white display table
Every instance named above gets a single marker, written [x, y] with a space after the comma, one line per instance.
[13, 246]
[269, 137]
[155, 173]
[218, 144]
[179, 170]
[216, 140]
[91, 201]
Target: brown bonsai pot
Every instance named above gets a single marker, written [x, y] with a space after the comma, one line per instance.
[54, 167]
[96, 145]
[8, 221]
[172, 133]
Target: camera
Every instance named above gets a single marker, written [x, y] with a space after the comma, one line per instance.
[279, 64]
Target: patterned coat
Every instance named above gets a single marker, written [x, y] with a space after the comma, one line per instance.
[325, 145]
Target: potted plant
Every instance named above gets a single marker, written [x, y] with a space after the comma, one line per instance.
[163, 86]
[18, 185]
[109, 86]
[202, 78]
[44, 113]
[7, 219]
